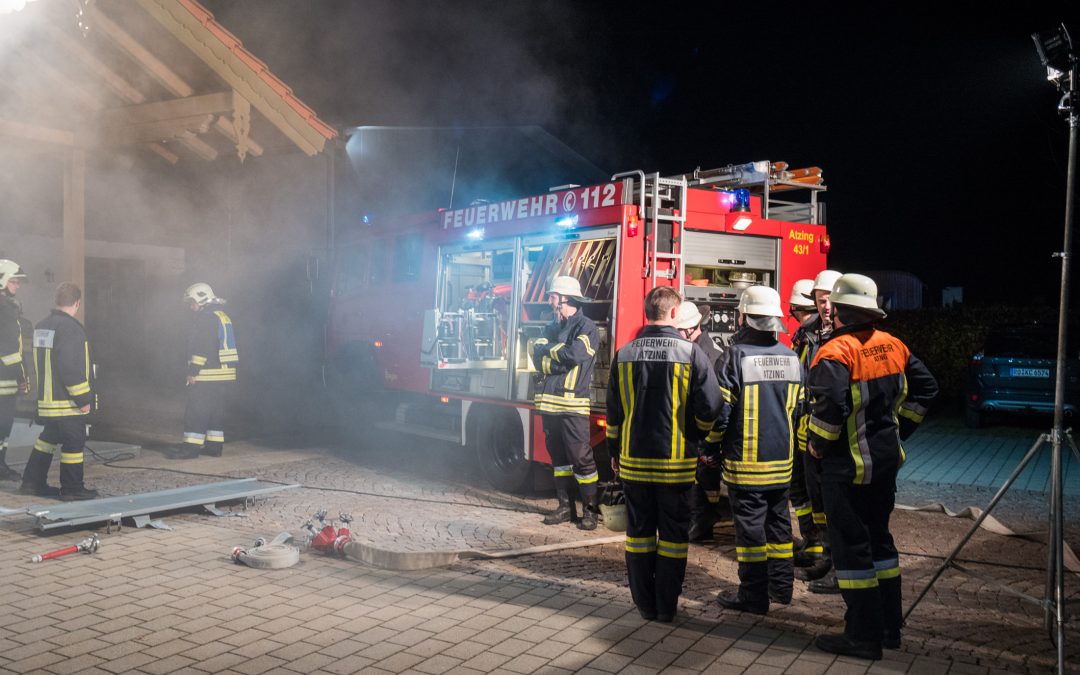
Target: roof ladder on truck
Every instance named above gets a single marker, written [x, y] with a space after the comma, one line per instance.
[662, 205]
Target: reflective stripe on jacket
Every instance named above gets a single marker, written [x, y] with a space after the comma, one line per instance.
[805, 343]
[761, 383]
[867, 393]
[212, 353]
[63, 366]
[12, 370]
[661, 393]
[564, 360]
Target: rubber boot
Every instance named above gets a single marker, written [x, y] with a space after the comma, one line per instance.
[590, 507]
[565, 511]
[35, 475]
[6, 472]
[72, 488]
[815, 571]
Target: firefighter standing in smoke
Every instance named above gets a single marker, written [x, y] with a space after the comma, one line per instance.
[868, 393]
[818, 572]
[212, 361]
[65, 398]
[661, 388]
[761, 384]
[564, 358]
[12, 371]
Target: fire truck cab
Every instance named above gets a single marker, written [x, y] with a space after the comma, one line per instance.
[434, 317]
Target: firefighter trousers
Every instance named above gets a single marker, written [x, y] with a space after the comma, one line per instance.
[800, 496]
[204, 417]
[7, 420]
[567, 438]
[812, 472]
[657, 542]
[864, 556]
[763, 545]
[67, 434]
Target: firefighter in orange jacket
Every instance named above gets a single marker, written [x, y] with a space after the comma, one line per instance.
[761, 385]
[662, 396]
[12, 371]
[65, 398]
[564, 358]
[212, 361]
[868, 393]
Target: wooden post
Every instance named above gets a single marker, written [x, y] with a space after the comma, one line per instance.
[75, 220]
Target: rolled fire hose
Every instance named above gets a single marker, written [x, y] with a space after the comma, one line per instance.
[278, 553]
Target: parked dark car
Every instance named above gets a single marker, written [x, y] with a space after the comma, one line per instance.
[1015, 373]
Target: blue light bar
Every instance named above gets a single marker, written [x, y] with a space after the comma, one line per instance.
[567, 221]
[475, 234]
[742, 200]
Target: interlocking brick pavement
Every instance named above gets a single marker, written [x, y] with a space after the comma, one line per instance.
[172, 601]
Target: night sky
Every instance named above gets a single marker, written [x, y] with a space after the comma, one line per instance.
[937, 131]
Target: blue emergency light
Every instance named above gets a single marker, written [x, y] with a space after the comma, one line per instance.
[742, 200]
[475, 234]
[567, 222]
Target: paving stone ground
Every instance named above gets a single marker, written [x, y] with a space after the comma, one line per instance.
[154, 601]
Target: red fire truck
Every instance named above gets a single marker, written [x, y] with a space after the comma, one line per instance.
[434, 316]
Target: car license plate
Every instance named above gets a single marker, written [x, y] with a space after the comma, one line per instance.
[1029, 372]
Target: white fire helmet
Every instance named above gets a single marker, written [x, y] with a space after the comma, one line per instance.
[801, 294]
[689, 315]
[857, 291]
[9, 269]
[201, 294]
[761, 307]
[568, 286]
[824, 282]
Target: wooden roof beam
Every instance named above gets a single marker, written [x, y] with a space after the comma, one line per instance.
[150, 63]
[117, 84]
[162, 111]
[159, 130]
[36, 134]
[224, 126]
[163, 152]
[198, 146]
[62, 84]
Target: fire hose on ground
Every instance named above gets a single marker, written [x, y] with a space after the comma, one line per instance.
[88, 546]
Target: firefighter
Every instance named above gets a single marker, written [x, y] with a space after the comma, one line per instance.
[761, 384]
[212, 362]
[564, 360]
[12, 372]
[868, 393]
[705, 496]
[662, 397]
[65, 398]
[811, 568]
[809, 547]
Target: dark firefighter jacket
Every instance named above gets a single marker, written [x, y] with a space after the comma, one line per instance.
[867, 394]
[64, 371]
[712, 352]
[212, 354]
[805, 342]
[761, 384]
[660, 381]
[564, 360]
[12, 370]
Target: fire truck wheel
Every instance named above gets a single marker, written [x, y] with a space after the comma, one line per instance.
[500, 449]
